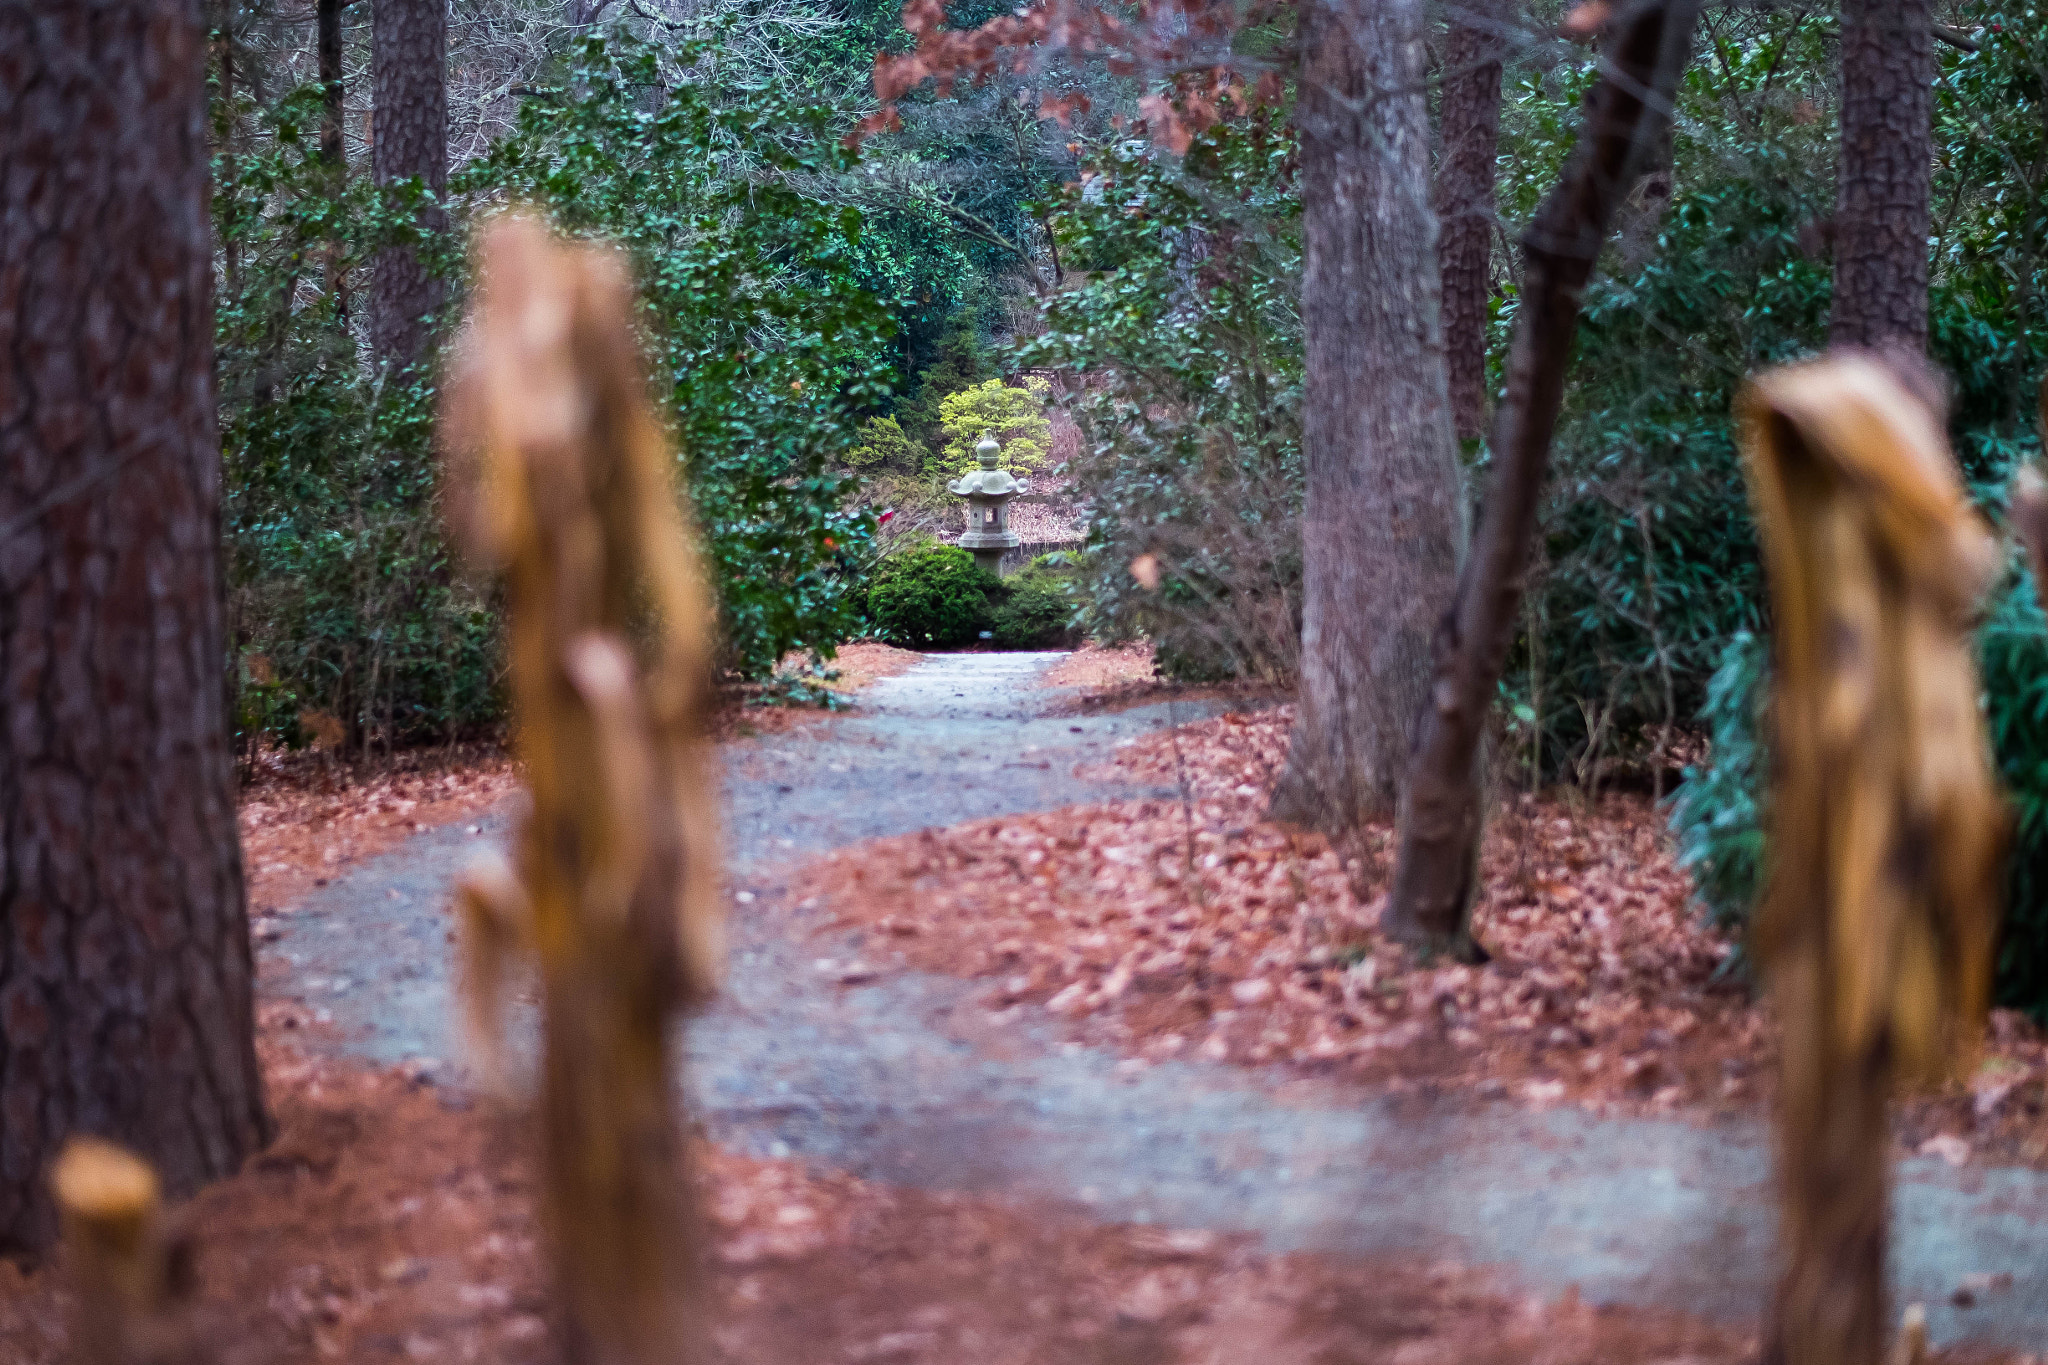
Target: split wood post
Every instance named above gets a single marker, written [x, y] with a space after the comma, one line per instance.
[559, 475]
[110, 1205]
[1886, 829]
[1645, 49]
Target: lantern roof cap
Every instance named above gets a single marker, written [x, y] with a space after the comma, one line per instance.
[987, 481]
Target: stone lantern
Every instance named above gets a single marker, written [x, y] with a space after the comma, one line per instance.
[988, 522]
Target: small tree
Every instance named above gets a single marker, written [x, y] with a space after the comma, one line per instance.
[884, 448]
[1015, 417]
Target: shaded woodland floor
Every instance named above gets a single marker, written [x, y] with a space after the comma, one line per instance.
[1194, 927]
[394, 1218]
[393, 1221]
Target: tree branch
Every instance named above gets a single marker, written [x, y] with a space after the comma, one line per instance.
[1955, 38]
[1440, 803]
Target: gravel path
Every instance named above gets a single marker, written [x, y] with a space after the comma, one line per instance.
[910, 1079]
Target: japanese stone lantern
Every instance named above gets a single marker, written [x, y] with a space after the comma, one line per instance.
[988, 523]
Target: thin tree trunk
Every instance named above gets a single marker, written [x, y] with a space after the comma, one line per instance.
[328, 18]
[1465, 202]
[1441, 812]
[125, 1001]
[1885, 175]
[333, 146]
[1383, 520]
[221, 22]
[409, 73]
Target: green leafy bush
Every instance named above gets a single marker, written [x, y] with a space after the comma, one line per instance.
[1035, 609]
[932, 596]
[341, 596]
[2012, 656]
[884, 448]
[1015, 416]
[1189, 394]
[1718, 814]
[765, 342]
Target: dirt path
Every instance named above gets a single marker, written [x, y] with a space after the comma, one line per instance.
[908, 1078]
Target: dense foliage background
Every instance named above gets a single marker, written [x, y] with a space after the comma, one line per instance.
[831, 329]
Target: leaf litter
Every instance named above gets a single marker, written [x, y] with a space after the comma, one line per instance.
[394, 1220]
[1193, 927]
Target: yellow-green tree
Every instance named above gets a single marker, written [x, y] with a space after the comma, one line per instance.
[884, 448]
[1014, 416]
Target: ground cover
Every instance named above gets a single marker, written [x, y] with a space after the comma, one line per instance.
[1099, 678]
[1190, 926]
[307, 814]
[395, 1221]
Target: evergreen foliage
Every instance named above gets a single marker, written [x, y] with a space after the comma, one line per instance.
[342, 598]
[884, 447]
[1014, 416]
[1034, 608]
[930, 597]
[1185, 336]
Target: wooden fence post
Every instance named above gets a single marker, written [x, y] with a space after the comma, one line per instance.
[115, 1251]
[1886, 830]
[560, 477]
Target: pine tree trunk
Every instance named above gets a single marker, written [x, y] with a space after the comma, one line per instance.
[1886, 174]
[1382, 523]
[409, 76]
[1465, 206]
[333, 143]
[327, 17]
[125, 981]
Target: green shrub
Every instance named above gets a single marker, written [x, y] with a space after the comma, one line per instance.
[1034, 609]
[1718, 815]
[1190, 395]
[933, 596]
[884, 448]
[2012, 654]
[764, 341]
[340, 594]
[1014, 416]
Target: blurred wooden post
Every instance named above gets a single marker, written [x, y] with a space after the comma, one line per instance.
[110, 1206]
[1886, 831]
[560, 477]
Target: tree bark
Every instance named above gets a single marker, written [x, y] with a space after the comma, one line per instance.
[1441, 808]
[333, 146]
[1885, 175]
[1465, 202]
[1383, 519]
[333, 150]
[409, 76]
[125, 1000]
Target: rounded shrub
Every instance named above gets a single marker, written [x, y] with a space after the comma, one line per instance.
[1034, 609]
[933, 596]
